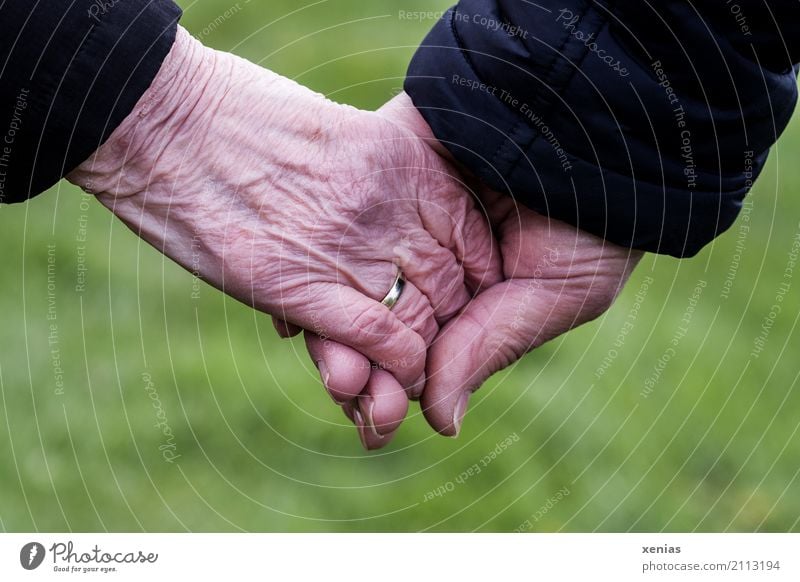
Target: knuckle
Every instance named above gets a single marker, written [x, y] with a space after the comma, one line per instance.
[600, 299]
[443, 283]
[373, 320]
[585, 301]
[436, 285]
[418, 315]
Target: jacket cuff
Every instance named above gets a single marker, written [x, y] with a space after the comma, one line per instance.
[81, 70]
[465, 112]
[606, 141]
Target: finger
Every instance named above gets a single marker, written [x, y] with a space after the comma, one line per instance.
[414, 309]
[432, 269]
[344, 371]
[454, 220]
[285, 329]
[381, 409]
[343, 314]
[349, 410]
[368, 440]
[497, 328]
[435, 272]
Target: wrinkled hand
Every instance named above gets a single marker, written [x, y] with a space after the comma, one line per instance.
[303, 209]
[556, 277]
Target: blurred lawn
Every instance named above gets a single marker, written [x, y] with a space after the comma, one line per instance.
[714, 447]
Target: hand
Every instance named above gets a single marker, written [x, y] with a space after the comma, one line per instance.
[556, 277]
[301, 208]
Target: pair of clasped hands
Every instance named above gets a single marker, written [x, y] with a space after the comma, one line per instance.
[306, 209]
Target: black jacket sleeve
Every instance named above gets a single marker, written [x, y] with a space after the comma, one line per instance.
[70, 72]
[642, 122]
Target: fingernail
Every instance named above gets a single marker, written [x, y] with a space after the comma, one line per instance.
[323, 372]
[359, 421]
[326, 377]
[460, 411]
[367, 404]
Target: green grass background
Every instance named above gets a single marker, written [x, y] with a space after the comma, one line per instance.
[714, 447]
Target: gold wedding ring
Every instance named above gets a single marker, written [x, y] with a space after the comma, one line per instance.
[393, 296]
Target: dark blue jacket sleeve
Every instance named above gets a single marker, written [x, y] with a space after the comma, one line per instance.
[70, 72]
[641, 122]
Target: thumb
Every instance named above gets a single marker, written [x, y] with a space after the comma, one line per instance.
[497, 328]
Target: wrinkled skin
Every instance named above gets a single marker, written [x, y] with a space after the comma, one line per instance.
[555, 278]
[303, 209]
